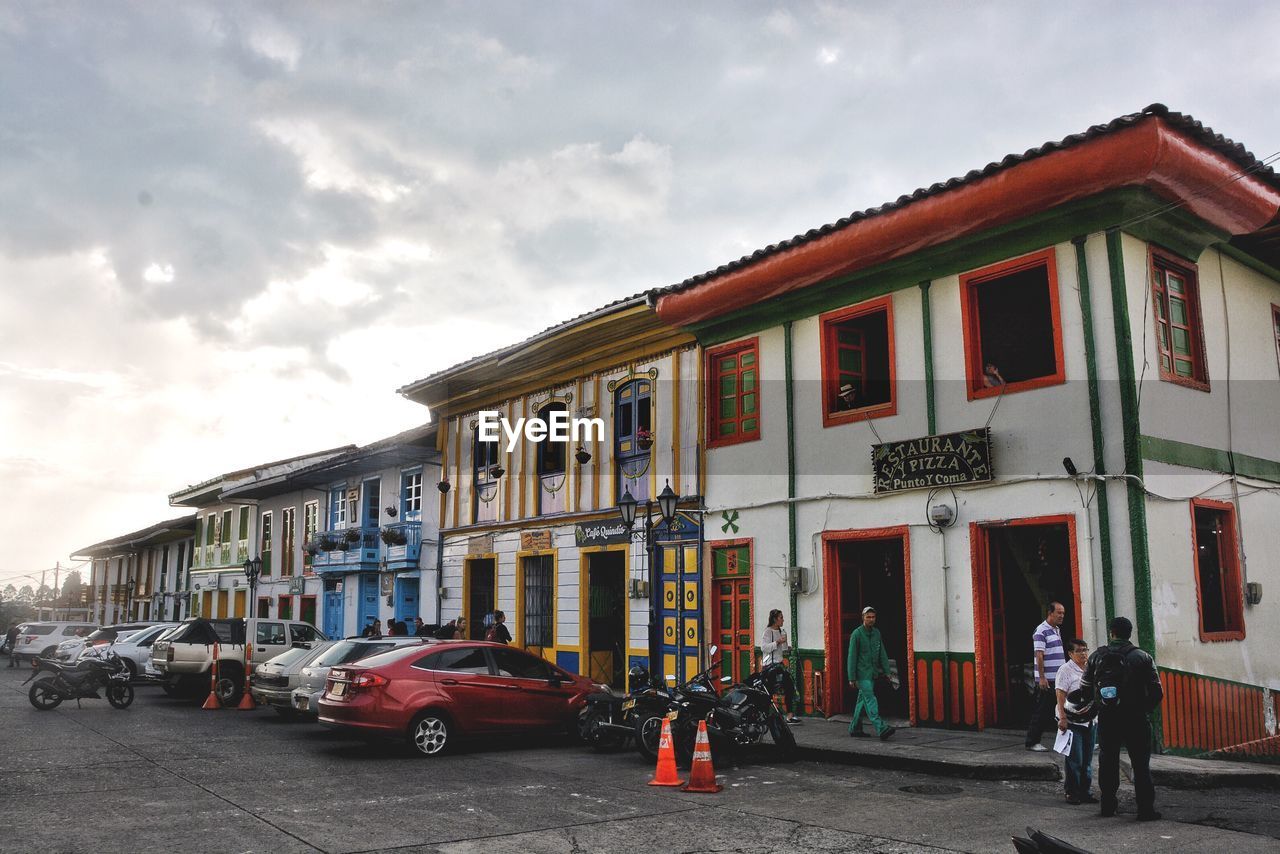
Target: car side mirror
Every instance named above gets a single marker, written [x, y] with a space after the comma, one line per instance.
[554, 681]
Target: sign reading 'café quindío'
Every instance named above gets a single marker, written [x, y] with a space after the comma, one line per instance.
[930, 461]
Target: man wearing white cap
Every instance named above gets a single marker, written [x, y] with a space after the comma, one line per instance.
[866, 661]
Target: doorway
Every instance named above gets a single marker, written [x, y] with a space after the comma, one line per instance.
[481, 594]
[406, 600]
[605, 622]
[1019, 567]
[863, 568]
[368, 603]
[332, 608]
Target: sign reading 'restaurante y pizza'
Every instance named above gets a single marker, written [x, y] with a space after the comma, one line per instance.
[945, 460]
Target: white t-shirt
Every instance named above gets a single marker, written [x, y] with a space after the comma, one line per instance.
[772, 647]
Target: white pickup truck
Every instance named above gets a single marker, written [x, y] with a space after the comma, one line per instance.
[184, 658]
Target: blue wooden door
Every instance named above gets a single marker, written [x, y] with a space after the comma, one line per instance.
[368, 605]
[333, 613]
[680, 605]
[406, 599]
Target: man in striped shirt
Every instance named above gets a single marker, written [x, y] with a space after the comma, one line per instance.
[1046, 642]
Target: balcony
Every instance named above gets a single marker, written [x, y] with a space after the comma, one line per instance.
[402, 544]
[346, 550]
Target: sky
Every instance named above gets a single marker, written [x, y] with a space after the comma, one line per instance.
[229, 232]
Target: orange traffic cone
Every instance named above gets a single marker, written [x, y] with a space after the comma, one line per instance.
[246, 699]
[702, 776]
[666, 775]
[212, 701]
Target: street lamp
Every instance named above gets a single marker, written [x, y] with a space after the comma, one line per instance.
[627, 505]
[252, 569]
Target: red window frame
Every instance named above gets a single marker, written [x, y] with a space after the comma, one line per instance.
[284, 601]
[264, 607]
[715, 358]
[1229, 560]
[969, 283]
[831, 365]
[1161, 264]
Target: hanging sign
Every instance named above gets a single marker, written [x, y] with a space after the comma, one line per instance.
[481, 545]
[535, 540]
[944, 460]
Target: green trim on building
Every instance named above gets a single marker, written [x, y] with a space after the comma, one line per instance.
[791, 494]
[1132, 447]
[1176, 453]
[929, 403]
[1095, 425]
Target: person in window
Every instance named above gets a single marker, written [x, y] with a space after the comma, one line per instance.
[498, 632]
[847, 398]
[774, 647]
[991, 376]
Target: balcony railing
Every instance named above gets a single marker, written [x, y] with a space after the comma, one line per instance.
[403, 542]
[345, 547]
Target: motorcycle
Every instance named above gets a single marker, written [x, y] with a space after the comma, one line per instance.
[608, 721]
[81, 680]
[684, 706]
[747, 712]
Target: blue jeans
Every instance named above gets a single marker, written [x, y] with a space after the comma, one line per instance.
[1079, 776]
[867, 703]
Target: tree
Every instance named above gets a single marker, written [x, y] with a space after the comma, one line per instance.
[10, 593]
[71, 588]
[26, 595]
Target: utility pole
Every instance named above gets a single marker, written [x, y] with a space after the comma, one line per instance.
[57, 570]
[39, 610]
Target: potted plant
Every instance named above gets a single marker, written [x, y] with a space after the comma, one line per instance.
[312, 547]
[353, 535]
[582, 455]
[496, 471]
[393, 536]
[327, 543]
[644, 439]
[391, 511]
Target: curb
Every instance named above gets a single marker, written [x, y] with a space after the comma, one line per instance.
[1206, 778]
[937, 767]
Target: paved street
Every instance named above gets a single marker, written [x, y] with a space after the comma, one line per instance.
[166, 776]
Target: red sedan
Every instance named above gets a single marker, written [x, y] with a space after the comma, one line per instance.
[435, 693]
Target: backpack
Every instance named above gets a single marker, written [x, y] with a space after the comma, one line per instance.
[1111, 677]
[492, 634]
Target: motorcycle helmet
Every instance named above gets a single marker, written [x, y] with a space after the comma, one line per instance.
[1080, 707]
[638, 677]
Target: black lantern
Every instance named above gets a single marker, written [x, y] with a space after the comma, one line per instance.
[582, 455]
[252, 569]
[627, 507]
[443, 486]
[667, 503]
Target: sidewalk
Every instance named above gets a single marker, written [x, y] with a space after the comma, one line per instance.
[988, 755]
[996, 754]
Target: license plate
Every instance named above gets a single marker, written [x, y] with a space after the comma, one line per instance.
[628, 704]
[673, 714]
[339, 689]
[300, 703]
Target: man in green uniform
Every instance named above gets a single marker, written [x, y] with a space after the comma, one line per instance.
[865, 661]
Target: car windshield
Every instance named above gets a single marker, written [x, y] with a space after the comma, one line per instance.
[290, 656]
[104, 635]
[337, 654]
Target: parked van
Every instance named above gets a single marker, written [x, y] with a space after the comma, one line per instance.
[43, 638]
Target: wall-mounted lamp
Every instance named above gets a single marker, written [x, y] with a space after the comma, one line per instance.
[1069, 466]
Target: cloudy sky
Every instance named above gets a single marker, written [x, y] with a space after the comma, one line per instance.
[228, 232]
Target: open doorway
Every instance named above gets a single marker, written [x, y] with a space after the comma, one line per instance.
[605, 621]
[481, 600]
[1020, 566]
[864, 568]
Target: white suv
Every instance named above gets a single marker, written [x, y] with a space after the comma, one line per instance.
[43, 638]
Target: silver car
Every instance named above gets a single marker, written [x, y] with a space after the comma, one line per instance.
[273, 681]
[306, 697]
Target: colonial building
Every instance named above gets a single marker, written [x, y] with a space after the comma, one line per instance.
[532, 527]
[350, 538]
[139, 576]
[225, 529]
[1054, 378]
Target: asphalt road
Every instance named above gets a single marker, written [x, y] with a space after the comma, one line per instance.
[166, 776]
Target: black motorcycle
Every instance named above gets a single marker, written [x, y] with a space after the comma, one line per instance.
[80, 680]
[747, 712]
[684, 706]
[608, 721]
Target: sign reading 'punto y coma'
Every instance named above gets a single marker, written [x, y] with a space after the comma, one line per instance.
[945, 460]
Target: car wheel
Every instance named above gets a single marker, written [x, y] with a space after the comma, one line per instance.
[430, 733]
[229, 686]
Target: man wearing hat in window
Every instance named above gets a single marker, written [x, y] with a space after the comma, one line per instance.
[865, 662]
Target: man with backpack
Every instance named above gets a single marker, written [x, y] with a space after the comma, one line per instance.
[1126, 689]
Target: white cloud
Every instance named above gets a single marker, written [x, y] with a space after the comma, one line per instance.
[828, 55]
[158, 274]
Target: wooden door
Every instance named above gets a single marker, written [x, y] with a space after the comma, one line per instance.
[733, 626]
